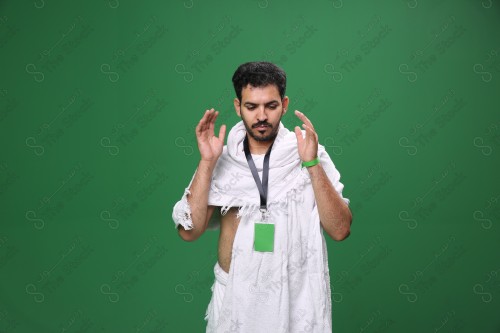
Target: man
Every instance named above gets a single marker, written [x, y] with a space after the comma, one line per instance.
[276, 190]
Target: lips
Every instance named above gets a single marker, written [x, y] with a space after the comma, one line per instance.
[262, 127]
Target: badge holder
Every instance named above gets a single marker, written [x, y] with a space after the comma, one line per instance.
[263, 230]
[263, 234]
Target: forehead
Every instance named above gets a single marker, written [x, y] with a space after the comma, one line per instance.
[260, 95]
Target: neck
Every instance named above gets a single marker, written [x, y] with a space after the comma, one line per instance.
[258, 147]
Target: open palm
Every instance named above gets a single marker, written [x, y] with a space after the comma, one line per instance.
[210, 146]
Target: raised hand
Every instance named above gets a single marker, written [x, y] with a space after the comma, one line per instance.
[209, 145]
[308, 146]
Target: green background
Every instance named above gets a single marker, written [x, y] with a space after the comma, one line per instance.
[98, 104]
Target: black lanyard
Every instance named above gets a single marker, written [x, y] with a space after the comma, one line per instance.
[265, 173]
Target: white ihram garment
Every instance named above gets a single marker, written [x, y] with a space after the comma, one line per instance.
[287, 290]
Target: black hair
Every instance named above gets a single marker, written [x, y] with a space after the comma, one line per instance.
[259, 74]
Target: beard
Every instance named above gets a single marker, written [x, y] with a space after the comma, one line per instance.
[252, 129]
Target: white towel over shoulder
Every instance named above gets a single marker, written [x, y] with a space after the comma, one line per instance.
[287, 290]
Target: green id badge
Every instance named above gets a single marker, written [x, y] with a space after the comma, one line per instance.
[264, 237]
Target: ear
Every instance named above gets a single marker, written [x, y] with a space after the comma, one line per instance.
[285, 104]
[237, 106]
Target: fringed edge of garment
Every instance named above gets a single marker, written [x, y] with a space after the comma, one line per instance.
[280, 205]
[182, 212]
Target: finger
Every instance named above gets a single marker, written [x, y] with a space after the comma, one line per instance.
[210, 115]
[308, 122]
[205, 124]
[298, 134]
[222, 133]
[212, 123]
[301, 116]
[199, 127]
[305, 119]
[307, 131]
[214, 118]
[310, 133]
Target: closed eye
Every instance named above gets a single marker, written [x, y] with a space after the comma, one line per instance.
[272, 107]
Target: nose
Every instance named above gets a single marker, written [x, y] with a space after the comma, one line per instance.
[261, 116]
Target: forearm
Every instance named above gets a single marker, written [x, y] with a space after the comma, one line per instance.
[198, 199]
[334, 214]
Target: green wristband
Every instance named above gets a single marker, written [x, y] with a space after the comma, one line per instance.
[310, 163]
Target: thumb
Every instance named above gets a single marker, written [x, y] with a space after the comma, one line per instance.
[222, 133]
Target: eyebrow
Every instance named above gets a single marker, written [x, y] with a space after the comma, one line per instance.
[253, 104]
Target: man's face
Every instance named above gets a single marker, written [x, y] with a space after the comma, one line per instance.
[261, 106]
